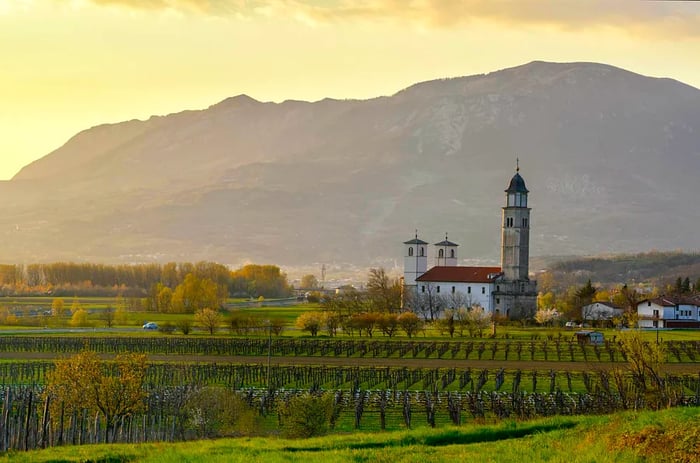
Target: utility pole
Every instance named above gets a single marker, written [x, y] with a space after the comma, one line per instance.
[269, 353]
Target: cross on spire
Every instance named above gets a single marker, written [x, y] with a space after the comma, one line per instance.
[517, 164]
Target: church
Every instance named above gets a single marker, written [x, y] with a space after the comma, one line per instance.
[506, 290]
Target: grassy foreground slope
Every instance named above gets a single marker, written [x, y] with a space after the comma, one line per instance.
[669, 435]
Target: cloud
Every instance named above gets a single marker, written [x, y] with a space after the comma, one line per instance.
[656, 17]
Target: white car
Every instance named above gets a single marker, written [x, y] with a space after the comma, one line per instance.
[150, 326]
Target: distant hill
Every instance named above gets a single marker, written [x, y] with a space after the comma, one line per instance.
[610, 157]
[655, 268]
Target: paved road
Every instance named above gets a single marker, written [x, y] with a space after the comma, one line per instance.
[688, 368]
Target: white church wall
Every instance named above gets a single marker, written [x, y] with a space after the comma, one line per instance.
[468, 294]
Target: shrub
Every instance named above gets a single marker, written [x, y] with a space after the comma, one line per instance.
[310, 321]
[277, 326]
[219, 412]
[306, 415]
[388, 323]
[7, 318]
[167, 328]
[242, 324]
[79, 318]
[366, 321]
[410, 323]
[185, 326]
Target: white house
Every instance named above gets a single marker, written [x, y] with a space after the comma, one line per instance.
[669, 312]
[600, 311]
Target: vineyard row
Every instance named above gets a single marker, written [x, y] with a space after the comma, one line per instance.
[277, 377]
[554, 350]
[26, 422]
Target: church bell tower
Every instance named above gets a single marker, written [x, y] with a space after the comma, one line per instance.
[415, 260]
[515, 235]
[515, 295]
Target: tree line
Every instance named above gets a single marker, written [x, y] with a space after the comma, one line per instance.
[138, 280]
[656, 267]
[386, 308]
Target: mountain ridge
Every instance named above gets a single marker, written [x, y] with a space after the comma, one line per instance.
[607, 150]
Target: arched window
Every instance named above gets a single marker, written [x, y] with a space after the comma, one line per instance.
[441, 253]
[422, 252]
[452, 253]
[410, 252]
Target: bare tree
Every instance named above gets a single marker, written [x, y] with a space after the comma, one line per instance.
[384, 293]
[428, 303]
[108, 316]
[458, 299]
[210, 319]
[477, 321]
[309, 282]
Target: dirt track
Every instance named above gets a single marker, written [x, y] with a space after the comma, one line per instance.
[689, 368]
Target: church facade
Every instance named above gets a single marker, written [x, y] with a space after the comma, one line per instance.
[506, 290]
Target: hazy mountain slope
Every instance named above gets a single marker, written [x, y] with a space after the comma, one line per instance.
[610, 158]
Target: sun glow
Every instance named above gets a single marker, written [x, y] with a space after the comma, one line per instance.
[74, 64]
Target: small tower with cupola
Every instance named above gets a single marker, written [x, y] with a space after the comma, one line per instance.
[415, 260]
[446, 253]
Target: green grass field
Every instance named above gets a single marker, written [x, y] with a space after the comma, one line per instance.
[96, 305]
[669, 435]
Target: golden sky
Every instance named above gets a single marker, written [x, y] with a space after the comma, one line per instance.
[67, 65]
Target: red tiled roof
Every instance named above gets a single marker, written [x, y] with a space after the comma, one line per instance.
[461, 274]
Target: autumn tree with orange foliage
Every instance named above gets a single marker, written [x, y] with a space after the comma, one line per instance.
[260, 280]
[84, 381]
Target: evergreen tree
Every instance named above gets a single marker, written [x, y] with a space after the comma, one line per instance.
[679, 286]
[686, 286]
